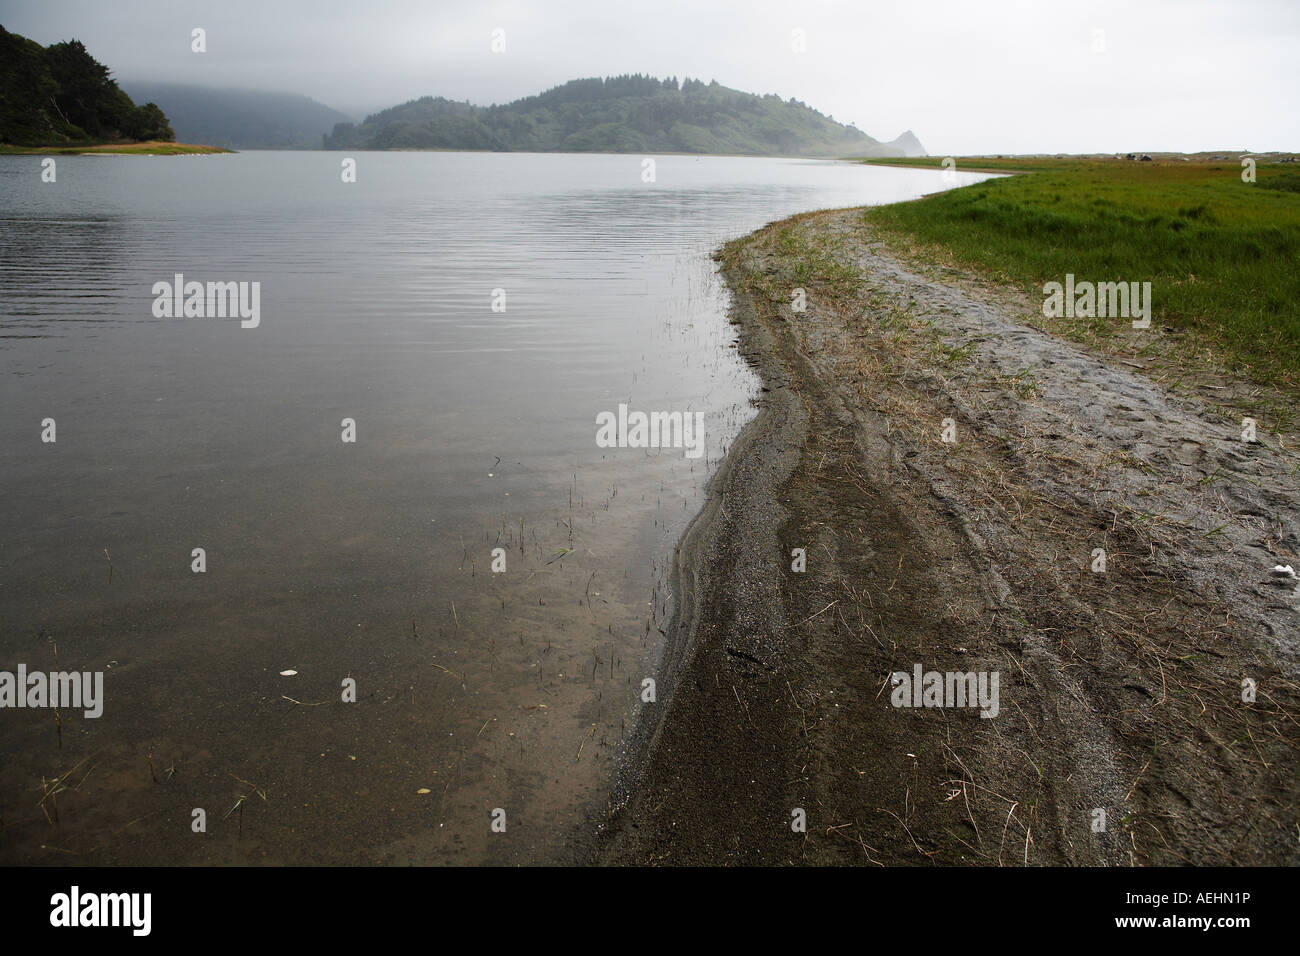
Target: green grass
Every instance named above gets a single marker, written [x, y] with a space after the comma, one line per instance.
[814, 262]
[1223, 256]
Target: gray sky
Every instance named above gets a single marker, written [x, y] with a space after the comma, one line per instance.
[967, 76]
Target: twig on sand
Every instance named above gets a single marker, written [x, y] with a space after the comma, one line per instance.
[239, 804]
[907, 831]
[459, 677]
[743, 707]
[867, 849]
[822, 611]
[584, 743]
[254, 788]
[1137, 778]
[50, 790]
[1004, 830]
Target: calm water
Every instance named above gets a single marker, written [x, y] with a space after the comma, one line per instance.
[368, 560]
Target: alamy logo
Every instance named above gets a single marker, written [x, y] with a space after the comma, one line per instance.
[103, 909]
[654, 430]
[70, 690]
[214, 300]
[1086, 300]
[951, 689]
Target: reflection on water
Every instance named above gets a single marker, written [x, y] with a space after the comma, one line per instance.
[370, 561]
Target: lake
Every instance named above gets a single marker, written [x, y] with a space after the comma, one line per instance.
[363, 585]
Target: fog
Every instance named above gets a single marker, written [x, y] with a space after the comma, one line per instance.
[1014, 76]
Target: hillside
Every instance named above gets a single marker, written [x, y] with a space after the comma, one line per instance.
[240, 119]
[905, 145]
[60, 94]
[626, 114]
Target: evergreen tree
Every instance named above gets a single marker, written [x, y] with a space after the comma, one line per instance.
[60, 93]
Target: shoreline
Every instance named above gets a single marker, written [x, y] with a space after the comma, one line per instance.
[690, 563]
[777, 698]
[154, 148]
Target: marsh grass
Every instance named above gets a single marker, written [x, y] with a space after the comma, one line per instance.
[1223, 256]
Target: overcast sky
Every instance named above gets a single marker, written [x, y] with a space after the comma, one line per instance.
[967, 76]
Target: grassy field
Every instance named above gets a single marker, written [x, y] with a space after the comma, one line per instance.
[156, 148]
[1223, 255]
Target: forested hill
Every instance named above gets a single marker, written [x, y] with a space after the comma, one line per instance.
[626, 114]
[60, 94]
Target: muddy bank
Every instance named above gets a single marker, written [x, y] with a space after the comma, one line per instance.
[1120, 690]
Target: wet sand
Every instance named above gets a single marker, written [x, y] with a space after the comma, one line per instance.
[1121, 690]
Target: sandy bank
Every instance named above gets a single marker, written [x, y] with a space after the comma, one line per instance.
[1121, 690]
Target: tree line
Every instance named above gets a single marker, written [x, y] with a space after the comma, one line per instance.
[626, 113]
[60, 94]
